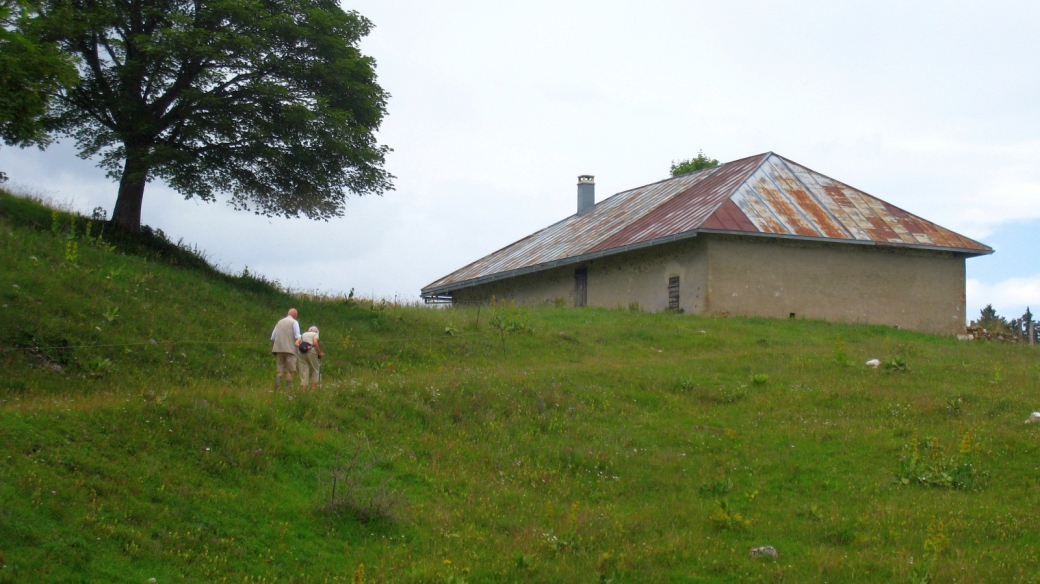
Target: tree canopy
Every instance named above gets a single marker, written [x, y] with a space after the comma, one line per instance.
[693, 164]
[268, 101]
[31, 73]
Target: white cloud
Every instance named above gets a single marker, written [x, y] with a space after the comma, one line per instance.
[1010, 297]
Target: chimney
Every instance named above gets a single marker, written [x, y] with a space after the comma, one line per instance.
[586, 193]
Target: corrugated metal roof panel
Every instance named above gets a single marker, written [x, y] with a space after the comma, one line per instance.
[577, 235]
[765, 194]
[689, 208]
[870, 219]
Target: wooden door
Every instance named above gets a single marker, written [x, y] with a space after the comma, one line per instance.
[581, 286]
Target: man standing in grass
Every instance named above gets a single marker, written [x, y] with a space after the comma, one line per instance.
[284, 339]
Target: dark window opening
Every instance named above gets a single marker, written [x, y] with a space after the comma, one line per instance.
[581, 286]
[792, 315]
[673, 293]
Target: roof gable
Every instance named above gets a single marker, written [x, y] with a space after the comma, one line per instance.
[762, 195]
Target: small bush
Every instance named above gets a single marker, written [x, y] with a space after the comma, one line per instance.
[725, 518]
[686, 384]
[353, 489]
[841, 357]
[958, 471]
[509, 320]
[897, 365]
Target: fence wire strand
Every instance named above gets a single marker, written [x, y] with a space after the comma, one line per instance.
[157, 343]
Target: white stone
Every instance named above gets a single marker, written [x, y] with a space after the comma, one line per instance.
[764, 551]
[874, 363]
[1033, 417]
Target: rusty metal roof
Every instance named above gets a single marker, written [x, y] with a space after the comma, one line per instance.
[765, 195]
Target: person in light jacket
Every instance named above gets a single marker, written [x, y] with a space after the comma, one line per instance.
[309, 364]
[284, 339]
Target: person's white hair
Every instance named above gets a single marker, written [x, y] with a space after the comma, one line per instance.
[313, 329]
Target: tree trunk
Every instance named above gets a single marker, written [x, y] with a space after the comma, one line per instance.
[127, 214]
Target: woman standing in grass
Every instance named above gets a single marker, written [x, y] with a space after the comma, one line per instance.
[310, 352]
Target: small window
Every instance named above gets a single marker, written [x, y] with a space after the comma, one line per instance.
[673, 293]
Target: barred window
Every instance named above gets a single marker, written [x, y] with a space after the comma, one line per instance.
[673, 293]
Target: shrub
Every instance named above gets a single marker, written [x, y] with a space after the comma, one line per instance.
[897, 365]
[353, 488]
[509, 320]
[958, 471]
[725, 518]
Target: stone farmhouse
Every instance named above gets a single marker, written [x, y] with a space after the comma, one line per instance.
[761, 236]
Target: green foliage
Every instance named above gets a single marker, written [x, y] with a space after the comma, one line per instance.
[725, 518]
[760, 379]
[841, 357]
[989, 319]
[896, 365]
[100, 366]
[272, 103]
[33, 71]
[934, 469]
[700, 162]
[353, 487]
[935, 545]
[508, 319]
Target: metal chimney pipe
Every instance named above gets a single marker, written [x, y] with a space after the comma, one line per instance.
[586, 193]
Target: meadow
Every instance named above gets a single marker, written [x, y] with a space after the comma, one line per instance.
[142, 436]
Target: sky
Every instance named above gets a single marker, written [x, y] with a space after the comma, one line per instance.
[497, 107]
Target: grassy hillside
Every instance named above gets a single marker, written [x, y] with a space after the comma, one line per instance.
[142, 436]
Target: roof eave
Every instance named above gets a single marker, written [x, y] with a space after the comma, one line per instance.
[433, 291]
[967, 252]
[447, 288]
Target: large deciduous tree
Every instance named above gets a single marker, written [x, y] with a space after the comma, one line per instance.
[268, 101]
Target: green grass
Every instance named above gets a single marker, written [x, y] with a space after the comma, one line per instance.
[630, 448]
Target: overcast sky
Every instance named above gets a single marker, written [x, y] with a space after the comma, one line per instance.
[497, 107]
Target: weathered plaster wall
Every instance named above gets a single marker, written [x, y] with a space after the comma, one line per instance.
[616, 281]
[918, 290]
[754, 276]
[642, 276]
[536, 288]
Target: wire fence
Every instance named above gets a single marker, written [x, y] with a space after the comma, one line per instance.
[424, 338]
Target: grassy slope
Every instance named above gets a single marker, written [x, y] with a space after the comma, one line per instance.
[179, 461]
